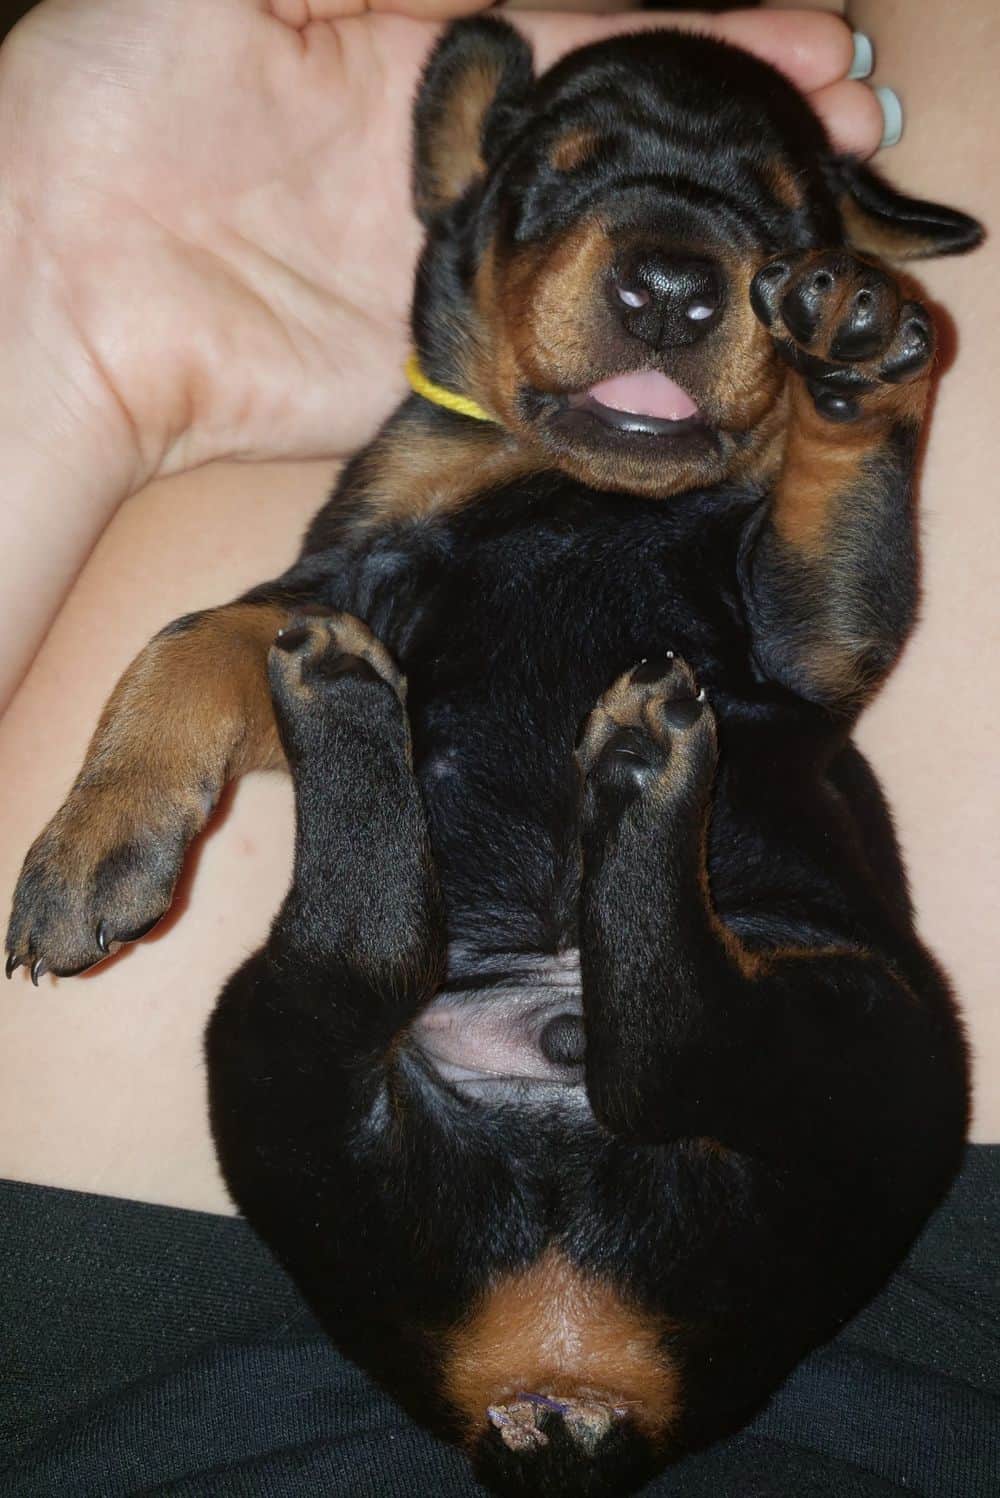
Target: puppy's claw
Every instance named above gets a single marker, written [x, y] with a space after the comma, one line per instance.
[102, 937]
[38, 970]
[13, 962]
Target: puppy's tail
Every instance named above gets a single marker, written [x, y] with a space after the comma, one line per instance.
[562, 1386]
[576, 1448]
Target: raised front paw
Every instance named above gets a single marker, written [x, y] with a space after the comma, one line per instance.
[844, 324]
[652, 731]
[102, 873]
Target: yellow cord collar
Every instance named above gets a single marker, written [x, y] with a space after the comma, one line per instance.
[440, 395]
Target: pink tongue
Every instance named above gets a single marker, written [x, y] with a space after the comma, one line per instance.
[647, 393]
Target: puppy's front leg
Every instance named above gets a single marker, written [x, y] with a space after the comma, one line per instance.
[830, 577]
[191, 712]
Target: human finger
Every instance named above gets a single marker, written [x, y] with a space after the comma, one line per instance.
[852, 115]
[812, 48]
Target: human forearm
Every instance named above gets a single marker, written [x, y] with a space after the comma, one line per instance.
[68, 453]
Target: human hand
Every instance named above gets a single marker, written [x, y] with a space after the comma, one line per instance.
[216, 194]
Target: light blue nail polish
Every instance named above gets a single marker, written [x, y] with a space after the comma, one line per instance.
[892, 114]
[864, 56]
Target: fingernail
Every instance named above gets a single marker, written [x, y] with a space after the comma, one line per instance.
[892, 115]
[863, 61]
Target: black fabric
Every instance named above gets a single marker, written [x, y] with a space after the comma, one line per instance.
[153, 1351]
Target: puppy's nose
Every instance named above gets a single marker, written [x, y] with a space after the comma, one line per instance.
[667, 300]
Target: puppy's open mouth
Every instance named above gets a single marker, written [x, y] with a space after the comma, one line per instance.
[645, 403]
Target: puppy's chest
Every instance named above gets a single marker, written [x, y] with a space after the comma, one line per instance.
[509, 620]
[522, 609]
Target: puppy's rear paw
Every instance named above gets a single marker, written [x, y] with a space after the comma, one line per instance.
[317, 663]
[649, 731]
[314, 650]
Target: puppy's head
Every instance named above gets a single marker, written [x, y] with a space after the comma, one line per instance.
[592, 236]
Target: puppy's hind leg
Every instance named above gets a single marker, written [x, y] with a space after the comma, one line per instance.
[300, 1046]
[648, 756]
[828, 1053]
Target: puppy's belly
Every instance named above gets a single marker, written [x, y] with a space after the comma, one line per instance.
[505, 1018]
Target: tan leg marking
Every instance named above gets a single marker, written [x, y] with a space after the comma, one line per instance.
[192, 712]
[411, 472]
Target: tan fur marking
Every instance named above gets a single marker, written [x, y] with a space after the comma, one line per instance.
[824, 469]
[783, 182]
[551, 1329]
[412, 474]
[545, 321]
[628, 704]
[710, 1148]
[572, 149]
[754, 965]
[456, 159]
[195, 703]
[824, 460]
[548, 304]
[835, 669]
[346, 633]
[745, 376]
[760, 965]
[878, 237]
[192, 711]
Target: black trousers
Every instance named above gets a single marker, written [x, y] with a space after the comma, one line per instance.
[148, 1350]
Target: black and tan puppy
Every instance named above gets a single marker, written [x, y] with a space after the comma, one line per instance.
[591, 1074]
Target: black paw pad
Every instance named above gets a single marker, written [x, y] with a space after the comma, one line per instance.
[628, 761]
[293, 638]
[632, 747]
[870, 316]
[832, 404]
[681, 713]
[765, 289]
[913, 347]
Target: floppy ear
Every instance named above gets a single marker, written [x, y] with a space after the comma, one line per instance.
[880, 221]
[477, 77]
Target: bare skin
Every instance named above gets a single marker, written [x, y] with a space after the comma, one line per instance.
[945, 794]
[101, 1080]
